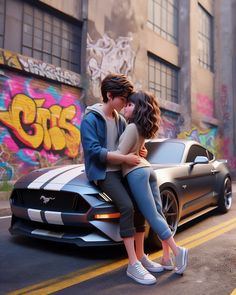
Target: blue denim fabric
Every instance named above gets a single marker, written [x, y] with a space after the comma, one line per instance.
[94, 142]
[143, 185]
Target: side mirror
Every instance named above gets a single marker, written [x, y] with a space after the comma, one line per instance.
[200, 160]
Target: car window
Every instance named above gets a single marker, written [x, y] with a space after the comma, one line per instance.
[165, 152]
[194, 151]
[210, 155]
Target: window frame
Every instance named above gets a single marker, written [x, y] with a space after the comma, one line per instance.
[205, 39]
[163, 18]
[2, 19]
[53, 39]
[165, 75]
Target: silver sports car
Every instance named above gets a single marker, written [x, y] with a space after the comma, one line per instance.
[60, 204]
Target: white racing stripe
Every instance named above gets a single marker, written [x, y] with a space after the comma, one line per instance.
[38, 182]
[34, 215]
[58, 182]
[53, 217]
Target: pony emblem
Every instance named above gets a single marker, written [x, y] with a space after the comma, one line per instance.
[45, 199]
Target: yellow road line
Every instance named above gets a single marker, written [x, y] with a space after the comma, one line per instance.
[198, 238]
[51, 286]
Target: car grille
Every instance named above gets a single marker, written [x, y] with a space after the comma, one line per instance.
[49, 200]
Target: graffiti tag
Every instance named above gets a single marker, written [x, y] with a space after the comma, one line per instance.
[37, 127]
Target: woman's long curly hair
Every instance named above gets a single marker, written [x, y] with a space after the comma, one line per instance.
[146, 114]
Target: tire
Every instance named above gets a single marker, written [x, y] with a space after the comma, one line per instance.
[171, 212]
[225, 197]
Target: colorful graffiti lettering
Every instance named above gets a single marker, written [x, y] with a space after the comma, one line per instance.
[50, 127]
[39, 123]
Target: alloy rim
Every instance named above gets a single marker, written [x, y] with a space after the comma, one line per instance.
[170, 209]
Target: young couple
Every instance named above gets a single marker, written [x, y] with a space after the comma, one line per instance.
[113, 151]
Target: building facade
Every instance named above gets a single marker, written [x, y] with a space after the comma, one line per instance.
[54, 54]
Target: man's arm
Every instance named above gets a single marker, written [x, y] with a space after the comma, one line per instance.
[117, 158]
[90, 141]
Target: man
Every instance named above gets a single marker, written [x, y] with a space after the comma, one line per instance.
[101, 128]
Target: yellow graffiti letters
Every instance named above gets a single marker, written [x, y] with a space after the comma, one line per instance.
[21, 116]
[73, 134]
[37, 127]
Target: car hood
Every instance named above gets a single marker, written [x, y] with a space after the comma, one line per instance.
[57, 178]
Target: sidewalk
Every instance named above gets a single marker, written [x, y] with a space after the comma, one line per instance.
[5, 206]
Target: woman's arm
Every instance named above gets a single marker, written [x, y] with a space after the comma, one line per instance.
[124, 152]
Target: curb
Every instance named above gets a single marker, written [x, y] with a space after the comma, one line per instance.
[4, 196]
[4, 204]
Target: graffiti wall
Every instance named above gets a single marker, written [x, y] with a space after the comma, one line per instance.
[37, 67]
[113, 46]
[207, 137]
[39, 124]
[107, 55]
[171, 124]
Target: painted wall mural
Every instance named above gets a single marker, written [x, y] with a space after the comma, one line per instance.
[204, 105]
[107, 55]
[39, 124]
[207, 137]
[170, 124]
[38, 67]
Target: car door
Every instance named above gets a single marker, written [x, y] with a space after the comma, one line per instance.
[198, 186]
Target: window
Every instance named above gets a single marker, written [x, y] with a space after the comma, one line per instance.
[2, 21]
[205, 39]
[163, 18]
[165, 152]
[195, 151]
[50, 38]
[162, 79]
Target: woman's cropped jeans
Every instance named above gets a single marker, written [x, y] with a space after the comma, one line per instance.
[143, 185]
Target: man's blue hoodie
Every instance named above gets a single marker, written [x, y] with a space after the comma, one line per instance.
[94, 140]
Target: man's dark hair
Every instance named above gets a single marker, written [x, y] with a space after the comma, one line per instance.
[117, 85]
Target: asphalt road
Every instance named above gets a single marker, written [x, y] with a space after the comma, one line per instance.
[37, 267]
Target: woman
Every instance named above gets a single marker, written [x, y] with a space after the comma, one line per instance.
[143, 114]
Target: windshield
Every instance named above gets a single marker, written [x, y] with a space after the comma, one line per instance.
[165, 152]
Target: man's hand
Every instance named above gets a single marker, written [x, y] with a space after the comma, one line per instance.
[132, 159]
[143, 152]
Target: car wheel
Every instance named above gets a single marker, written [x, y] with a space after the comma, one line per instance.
[171, 212]
[225, 198]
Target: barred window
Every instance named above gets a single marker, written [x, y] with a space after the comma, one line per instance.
[163, 18]
[50, 38]
[205, 39]
[2, 21]
[162, 79]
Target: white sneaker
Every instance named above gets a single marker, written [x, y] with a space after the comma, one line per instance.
[151, 265]
[181, 260]
[138, 273]
[167, 265]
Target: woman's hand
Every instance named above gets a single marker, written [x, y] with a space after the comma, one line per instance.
[143, 152]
